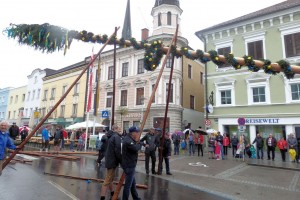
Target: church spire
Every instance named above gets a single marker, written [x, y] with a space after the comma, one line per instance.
[169, 2]
[126, 32]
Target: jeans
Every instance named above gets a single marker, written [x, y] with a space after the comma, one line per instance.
[222, 151]
[72, 145]
[176, 149]
[272, 149]
[191, 147]
[167, 164]
[260, 149]
[147, 159]
[129, 185]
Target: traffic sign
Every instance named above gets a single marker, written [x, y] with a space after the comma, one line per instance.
[241, 128]
[207, 122]
[241, 121]
[105, 114]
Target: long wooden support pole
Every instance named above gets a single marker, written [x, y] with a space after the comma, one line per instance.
[92, 179]
[145, 116]
[57, 104]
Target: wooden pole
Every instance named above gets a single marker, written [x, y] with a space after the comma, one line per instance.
[170, 88]
[92, 179]
[121, 181]
[56, 105]
[114, 86]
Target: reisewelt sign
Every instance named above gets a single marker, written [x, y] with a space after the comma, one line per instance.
[262, 121]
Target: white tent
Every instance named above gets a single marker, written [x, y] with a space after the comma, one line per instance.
[84, 124]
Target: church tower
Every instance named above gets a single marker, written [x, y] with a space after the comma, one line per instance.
[166, 15]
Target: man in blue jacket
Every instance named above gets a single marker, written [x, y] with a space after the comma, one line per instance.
[5, 142]
[130, 149]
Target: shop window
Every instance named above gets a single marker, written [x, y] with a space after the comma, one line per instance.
[136, 123]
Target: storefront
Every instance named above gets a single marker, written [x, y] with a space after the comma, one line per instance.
[277, 126]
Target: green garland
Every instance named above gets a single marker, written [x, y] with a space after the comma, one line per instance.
[268, 68]
[49, 38]
[250, 63]
[287, 69]
[153, 55]
[215, 57]
[231, 60]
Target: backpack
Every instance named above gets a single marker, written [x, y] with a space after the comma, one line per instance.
[98, 144]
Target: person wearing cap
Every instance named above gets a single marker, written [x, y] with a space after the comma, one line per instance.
[150, 145]
[14, 131]
[130, 149]
[5, 142]
[166, 153]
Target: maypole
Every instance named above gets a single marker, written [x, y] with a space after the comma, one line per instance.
[56, 105]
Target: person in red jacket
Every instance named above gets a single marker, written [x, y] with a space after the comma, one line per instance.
[225, 143]
[198, 140]
[282, 145]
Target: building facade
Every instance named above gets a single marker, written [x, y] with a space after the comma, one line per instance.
[55, 84]
[134, 84]
[267, 103]
[15, 105]
[4, 96]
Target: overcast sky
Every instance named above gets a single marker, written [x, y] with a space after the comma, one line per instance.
[99, 17]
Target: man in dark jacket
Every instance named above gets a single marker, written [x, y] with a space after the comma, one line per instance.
[271, 143]
[113, 158]
[259, 146]
[150, 148]
[14, 131]
[130, 148]
[166, 153]
[234, 143]
[219, 139]
[104, 141]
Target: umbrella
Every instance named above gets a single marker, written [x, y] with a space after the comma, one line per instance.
[209, 131]
[202, 132]
[83, 125]
[22, 127]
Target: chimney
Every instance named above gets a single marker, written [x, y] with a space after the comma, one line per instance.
[145, 34]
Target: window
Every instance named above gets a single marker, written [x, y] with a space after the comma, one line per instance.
[171, 93]
[153, 101]
[169, 18]
[136, 123]
[62, 110]
[126, 126]
[139, 96]
[192, 102]
[169, 61]
[159, 19]
[76, 89]
[125, 69]
[16, 99]
[259, 94]
[110, 72]
[53, 90]
[74, 110]
[14, 115]
[64, 89]
[11, 99]
[292, 45]
[225, 97]
[124, 98]
[28, 96]
[190, 71]
[8, 114]
[109, 97]
[38, 94]
[201, 78]
[295, 90]
[140, 66]
[45, 94]
[255, 49]
[33, 94]
[224, 51]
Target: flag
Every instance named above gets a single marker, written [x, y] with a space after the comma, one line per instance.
[90, 85]
[97, 95]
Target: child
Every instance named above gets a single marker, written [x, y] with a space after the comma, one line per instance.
[217, 150]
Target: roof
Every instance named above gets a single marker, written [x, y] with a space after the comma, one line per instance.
[50, 72]
[170, 2]
[269, 10]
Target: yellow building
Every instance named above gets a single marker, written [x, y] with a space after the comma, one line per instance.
[72, 108]
[15, 105]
